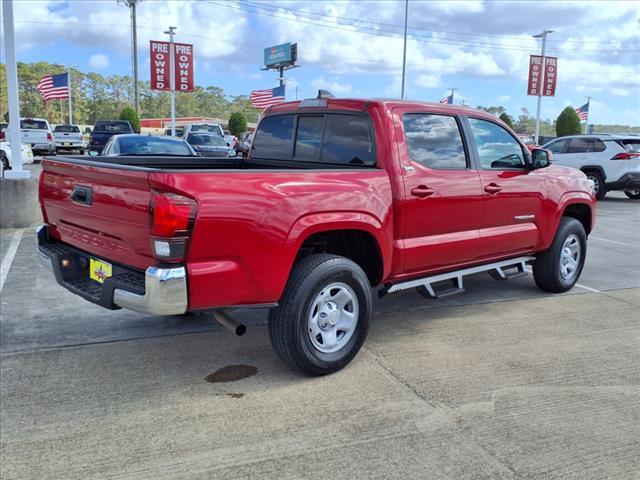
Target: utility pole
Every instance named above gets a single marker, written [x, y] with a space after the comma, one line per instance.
[542, 35]
[134, 50]
[172, 81]
[281, 69]
[452, 92]
[404, 52]
[16, 172]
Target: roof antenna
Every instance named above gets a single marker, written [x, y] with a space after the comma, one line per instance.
[325, 94]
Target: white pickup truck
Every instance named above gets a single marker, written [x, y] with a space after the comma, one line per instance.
[68, 137]
[36, 133]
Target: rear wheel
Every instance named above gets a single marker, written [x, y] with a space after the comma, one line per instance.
[558, 268]
[599, 187]
[324, 314]
[633, 194]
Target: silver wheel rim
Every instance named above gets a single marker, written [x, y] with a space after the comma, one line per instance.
[570, 257]
[333, 317]
[596, 182]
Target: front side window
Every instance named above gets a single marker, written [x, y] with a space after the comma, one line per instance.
[558, 146]
[274, 138]
[497, 149]
[434, 141]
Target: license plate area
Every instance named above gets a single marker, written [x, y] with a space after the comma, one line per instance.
[99, 270]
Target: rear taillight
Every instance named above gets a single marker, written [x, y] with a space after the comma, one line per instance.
[49, 137]
[171, 217]
[625, 156]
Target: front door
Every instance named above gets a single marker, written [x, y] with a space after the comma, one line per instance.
[442, 202]
[513, 194]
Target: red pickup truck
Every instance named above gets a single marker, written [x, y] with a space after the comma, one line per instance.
[338, 199]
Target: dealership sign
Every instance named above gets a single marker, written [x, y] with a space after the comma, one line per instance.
[160, 68]
[281, 54]
[542, 81]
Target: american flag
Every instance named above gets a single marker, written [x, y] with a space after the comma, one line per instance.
[54, 86]
[268, 97]
[448, 100]
[583, 112]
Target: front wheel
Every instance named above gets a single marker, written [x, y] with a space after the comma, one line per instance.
[558, 268]
[323, 316]
[598, 184]
[633, 194]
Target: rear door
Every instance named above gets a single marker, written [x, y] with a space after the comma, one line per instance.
[442, 202]
[512, 193]
[104, 211]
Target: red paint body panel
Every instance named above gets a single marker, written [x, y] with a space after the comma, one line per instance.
[250, 224]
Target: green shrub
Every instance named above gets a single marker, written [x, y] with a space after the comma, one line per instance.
[568, 123]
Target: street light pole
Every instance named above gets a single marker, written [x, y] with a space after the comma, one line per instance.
[404, 52]
[542, 35]
[172, 80]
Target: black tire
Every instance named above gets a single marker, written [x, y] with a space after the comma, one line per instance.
[601, 189]
[547, 267]
[633, 194]
[288, 323]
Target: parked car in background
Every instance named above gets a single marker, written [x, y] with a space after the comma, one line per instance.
[179, 131]
[68, 137]
[36, 132]
[339, 200]
[103, 130]
[147, 145]
[210, 145]
[246, 144]
[203, 128]
[3, 127]
[612, 162]
[5, 154]
[231, 139]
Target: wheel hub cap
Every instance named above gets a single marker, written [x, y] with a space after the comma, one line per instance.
[333, 317]
[570, 257]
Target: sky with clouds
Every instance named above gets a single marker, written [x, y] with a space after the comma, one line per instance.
[354, 48]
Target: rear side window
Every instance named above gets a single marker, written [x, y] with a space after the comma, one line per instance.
[434, 141]
[586, 145]
[33, 125]
[274, 138]
[631, 146]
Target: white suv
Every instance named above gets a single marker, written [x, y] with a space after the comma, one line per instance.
[611, 161]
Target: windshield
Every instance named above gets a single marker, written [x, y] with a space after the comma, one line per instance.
[206, 128]
[33, 125]
[67, 129]
[152, 146]
[112, 127]
[208, 140]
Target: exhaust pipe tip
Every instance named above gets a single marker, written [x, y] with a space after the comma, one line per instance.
[230, 323]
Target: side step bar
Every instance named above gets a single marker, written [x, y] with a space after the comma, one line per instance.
[503, 270]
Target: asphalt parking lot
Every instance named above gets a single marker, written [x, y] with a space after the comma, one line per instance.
[505, 381]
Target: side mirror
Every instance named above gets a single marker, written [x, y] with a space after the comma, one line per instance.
[93, 153]
[540, 158]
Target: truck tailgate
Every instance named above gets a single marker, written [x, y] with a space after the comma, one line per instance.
[109, 215]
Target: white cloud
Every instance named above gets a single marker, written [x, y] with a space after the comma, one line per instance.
[620, 92]
[429, 80]
[504, 98]
[335, 87]
[99, 61]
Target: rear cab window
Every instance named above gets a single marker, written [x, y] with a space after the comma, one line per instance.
[327, 139]
[66, 129]
[112, 127]
[34, 125]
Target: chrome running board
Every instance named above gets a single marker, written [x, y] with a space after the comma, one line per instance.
[503, 270]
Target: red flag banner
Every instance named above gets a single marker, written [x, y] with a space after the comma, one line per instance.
[160, 68]
[535, 75]
[550, 76]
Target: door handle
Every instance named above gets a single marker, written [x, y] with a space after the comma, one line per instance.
[492, 188]
[82, 195]
[422, 191]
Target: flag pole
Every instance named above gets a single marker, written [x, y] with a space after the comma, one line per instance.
[69, 85]
[586, 123]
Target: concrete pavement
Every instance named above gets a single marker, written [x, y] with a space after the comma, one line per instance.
[502, 382]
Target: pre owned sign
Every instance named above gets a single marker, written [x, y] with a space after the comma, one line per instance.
[160, 68]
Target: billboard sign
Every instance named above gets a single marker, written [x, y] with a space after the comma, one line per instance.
[160, 68]
[550, 76]
[535, 75]
[280, 54]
